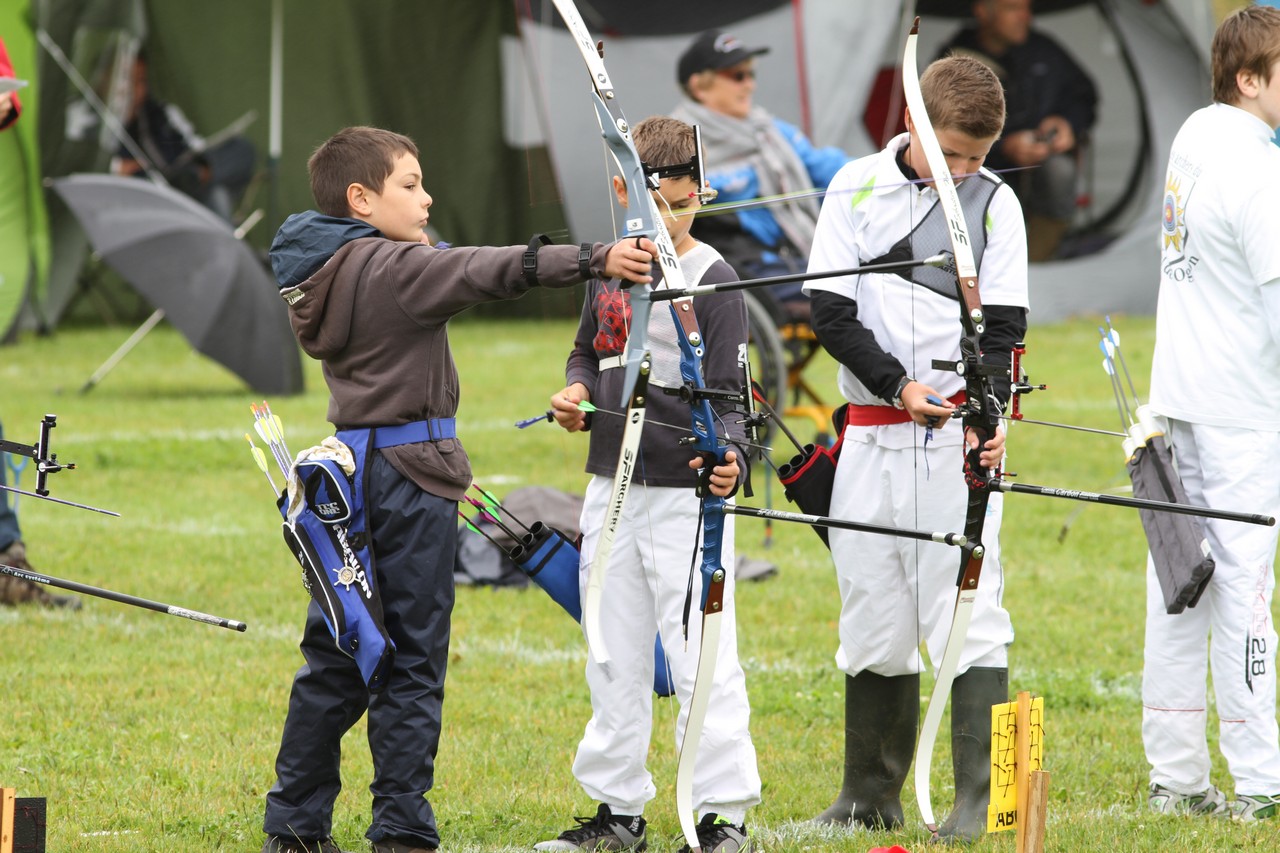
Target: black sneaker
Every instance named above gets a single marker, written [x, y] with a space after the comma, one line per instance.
[391, 845]
[281, 844]
[717, 835]
[605, 831]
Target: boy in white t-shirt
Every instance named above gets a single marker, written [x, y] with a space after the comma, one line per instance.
[886, 330]
[1216, 377]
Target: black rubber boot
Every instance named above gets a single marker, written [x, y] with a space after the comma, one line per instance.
[880, 716]
[972, 696]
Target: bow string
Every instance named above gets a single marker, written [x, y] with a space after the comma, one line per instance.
[643, 220]
[980, 415]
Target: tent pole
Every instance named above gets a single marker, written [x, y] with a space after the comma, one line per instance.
[147, 326]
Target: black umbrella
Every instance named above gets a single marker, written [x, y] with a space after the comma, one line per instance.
[190, 264]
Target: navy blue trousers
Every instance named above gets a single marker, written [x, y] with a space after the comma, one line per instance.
[414, 542]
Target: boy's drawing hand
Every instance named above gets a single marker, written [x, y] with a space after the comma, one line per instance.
[631, 259]
[564, 406]
[926, 406]
[724, 477]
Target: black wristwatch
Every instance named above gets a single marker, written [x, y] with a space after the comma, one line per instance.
[897, 392]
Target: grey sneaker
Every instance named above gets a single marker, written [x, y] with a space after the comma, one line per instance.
[717, 835]
[605, 831]
[281, 844]
[1250, 808]
[1210, 801]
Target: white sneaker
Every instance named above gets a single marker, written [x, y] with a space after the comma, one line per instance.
[1210, 801]
[1250, 808]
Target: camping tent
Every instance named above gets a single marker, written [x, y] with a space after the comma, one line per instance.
[828, 70]
[427, 68]
[496, 98]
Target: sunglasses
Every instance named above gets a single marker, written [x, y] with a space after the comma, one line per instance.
[739, 75]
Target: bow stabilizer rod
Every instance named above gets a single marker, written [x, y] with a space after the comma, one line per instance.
[957, 539]
[938, 260]
[122, 598]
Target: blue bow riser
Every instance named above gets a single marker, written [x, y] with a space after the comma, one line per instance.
[551, 561]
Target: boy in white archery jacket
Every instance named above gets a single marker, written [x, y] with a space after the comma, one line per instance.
[901, 462]
[658, 532]
[371, 299]
[1216, 377]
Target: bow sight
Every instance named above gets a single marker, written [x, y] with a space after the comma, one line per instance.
[46, 463]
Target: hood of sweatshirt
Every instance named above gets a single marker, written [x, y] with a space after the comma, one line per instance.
[306, 242]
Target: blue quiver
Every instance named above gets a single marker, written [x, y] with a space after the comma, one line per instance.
[327, 534]
[551, 561]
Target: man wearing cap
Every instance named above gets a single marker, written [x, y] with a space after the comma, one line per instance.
[754, 154]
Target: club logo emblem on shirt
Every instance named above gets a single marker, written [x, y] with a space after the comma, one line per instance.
[1173, 223]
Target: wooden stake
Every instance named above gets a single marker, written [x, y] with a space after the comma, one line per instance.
[1022, 764]
[1037, 811]
[7, 799]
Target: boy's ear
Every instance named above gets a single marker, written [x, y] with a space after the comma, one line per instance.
[358, 200]
[1247, 84]
[620, 190]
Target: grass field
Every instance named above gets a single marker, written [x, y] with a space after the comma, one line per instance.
[151, 733]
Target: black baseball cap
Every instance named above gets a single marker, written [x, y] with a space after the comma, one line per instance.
[712, 51]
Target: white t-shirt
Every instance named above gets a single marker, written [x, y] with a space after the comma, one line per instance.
[869, 207]
[1216, 360]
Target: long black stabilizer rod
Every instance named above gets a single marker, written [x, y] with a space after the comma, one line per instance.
[1135, 503]
[121, 597]
[895, 266]
[957, 539]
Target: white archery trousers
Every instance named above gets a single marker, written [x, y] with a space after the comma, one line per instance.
[644, 593]
[1229, 631]
[896, 593]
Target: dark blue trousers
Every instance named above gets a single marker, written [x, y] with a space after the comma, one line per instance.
[414, 542]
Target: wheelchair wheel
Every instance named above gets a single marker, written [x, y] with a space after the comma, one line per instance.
[768, 361]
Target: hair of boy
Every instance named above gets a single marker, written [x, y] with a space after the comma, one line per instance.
[963, 94]
[663, 141]
[354, 155]
[1246, 40]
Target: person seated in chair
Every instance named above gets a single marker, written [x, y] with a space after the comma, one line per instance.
[214, 173]
[756, 155]
[1052, 104]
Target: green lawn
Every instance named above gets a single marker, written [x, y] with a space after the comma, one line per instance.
[151, 733]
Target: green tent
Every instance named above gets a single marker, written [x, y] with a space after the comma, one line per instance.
[427, 68]
[24, 236]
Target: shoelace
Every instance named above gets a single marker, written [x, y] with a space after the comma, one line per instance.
[711, 835]
[588, 827]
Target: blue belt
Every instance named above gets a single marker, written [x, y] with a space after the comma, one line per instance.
[432, 429]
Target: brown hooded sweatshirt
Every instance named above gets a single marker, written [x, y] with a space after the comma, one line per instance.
[377, 312]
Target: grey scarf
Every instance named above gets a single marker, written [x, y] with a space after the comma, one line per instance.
[757, 142]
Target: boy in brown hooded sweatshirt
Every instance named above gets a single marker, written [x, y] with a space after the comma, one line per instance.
[371, 299]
